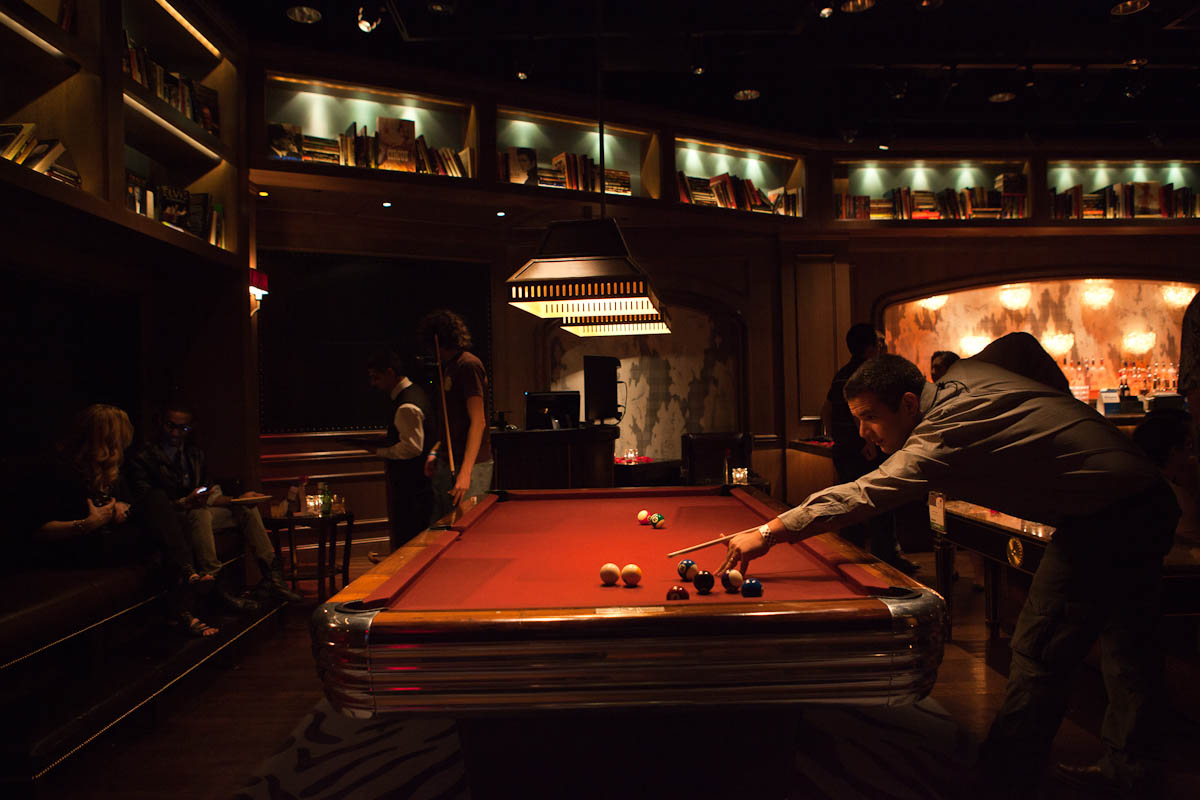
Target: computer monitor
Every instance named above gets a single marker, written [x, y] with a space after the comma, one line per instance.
[600, 387]
[551, 410]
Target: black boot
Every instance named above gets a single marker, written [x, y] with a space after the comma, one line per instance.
[273, 582]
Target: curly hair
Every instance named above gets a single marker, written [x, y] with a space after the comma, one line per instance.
[449, 328]
[96, 443]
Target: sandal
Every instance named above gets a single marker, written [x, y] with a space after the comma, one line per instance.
[196, 577]
[194, 627]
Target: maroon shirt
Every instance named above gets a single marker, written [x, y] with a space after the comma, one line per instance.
[462, 378]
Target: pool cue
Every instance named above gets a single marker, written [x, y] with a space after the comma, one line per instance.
[702, 545]
[442, 394]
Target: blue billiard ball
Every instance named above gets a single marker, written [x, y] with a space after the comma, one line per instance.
[704, 581]
[687, 569]
[752, 587]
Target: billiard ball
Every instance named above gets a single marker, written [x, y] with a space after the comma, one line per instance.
[677, 593]
[644, 517]
[610, 573]
[752, 588]
[631, 574]
[687, 569]
[703, 581]
[657, 518]
[661, 522]
[732, 581]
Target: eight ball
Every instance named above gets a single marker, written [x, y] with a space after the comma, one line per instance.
[703, 581]
[752, 588]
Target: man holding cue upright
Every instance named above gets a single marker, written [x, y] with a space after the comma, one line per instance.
[460, 464]
[1001, 430]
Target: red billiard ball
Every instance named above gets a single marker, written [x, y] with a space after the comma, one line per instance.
[677, 593]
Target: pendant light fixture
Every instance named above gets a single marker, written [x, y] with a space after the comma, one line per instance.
[583, 273]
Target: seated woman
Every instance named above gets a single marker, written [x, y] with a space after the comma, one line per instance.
[84, 519]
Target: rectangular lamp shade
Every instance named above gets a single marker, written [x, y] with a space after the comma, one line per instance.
[618, 325]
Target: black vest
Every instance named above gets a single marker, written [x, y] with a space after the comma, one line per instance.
[413, 395]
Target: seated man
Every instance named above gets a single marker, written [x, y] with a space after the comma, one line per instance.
[176, 467]
[1166, 436]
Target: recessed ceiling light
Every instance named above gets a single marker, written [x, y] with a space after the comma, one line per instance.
[499, 213]
[855, 6]
[386, 204]
[1129, 7]
[884, 146]
[522, 75]
[826, 12]
[929, 4]
[1137, 62]
[697, 69]
[1002, 97]
[747, 94]
[304, 14]
[440, 7]
[264, 193]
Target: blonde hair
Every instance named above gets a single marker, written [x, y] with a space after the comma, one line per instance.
[97, 442]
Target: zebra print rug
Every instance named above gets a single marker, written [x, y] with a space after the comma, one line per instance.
[841, 754]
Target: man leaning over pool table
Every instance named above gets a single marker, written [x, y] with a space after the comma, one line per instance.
[1001, 430]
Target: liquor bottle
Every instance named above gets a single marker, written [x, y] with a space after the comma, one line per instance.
[326, 499]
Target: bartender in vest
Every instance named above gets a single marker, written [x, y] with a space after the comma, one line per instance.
[409, 491]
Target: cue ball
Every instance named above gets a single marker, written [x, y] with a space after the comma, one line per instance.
[752, 588]
[610, 573]
[687, 569]
[631, 574]
[703, 581]
[677, 593]
[732, 581]
[644, 517]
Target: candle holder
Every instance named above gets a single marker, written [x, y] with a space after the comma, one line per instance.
[741, 475]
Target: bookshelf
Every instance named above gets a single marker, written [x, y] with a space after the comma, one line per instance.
[337, 124]
[180, 120]
[1093, 190]
[916, 190]
[738, 178]
[567, 153]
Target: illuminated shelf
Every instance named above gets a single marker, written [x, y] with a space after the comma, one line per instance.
[1102, 190]
[626, 149]
[921, 190]
[753, 174]
[326, 109]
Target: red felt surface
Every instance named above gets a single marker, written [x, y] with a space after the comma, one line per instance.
[538, 553]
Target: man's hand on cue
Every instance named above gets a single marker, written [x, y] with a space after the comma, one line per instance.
[746, 546]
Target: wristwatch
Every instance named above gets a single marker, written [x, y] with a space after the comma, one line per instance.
[764, 530]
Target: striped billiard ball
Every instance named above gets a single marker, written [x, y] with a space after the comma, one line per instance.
[732, 581]
[687, 569]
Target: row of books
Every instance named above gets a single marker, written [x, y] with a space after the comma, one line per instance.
[195, 101]
[19, 144]
[566, 171]
[1132, 200]
[190, 212]
[394, 146]
[730, 191]
[1006, 200]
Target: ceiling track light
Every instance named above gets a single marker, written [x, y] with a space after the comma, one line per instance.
[857, 6]
[442, 8]
[825, 12]
[929, 5]
[745, 95]
[367, 21]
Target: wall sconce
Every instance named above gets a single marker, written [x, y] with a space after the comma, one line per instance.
[1178, 296]
[1139, 342]
[971, 345]
[934, 303]
[1097, 294]
[1015, 296]
[1058, 344]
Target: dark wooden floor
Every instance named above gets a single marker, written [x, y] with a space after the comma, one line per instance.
[209, 739]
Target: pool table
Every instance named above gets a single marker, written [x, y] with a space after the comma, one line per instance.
[503, 610]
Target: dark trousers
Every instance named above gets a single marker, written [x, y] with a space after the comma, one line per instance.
[409, 499]
[877, 535]
[1100, 578]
